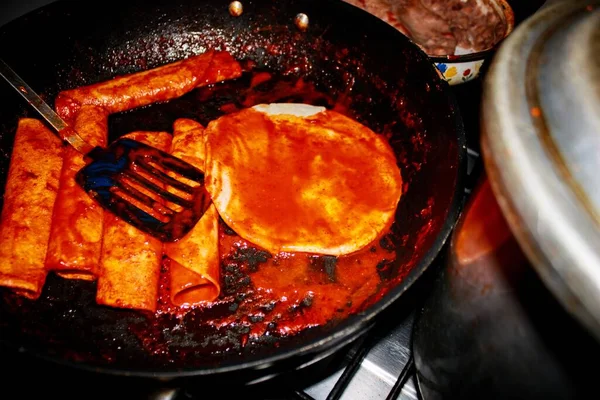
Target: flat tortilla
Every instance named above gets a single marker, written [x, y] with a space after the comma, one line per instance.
[298, 178]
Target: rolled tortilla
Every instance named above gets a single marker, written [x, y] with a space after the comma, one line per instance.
[222, 67]
[194, 259]
[158, 84]
[29, 197]
[130, 260]
[76, 231]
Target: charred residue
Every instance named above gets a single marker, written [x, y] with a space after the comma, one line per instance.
[387, 269]
[324, 264]
[250, 256]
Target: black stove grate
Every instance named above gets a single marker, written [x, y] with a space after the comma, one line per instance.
[352, 367]
[336, 393]
[407, 371]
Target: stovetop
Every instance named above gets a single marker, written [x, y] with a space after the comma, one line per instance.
[377, 366]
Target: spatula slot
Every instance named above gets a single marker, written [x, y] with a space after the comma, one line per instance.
[145, 204]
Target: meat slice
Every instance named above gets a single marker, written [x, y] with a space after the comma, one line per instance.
[476, 24]
[440, 26]
[425, 27]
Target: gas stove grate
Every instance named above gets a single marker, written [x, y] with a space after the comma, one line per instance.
[407, 371]
[353, 366]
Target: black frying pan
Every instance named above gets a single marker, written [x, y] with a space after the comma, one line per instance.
[350, 58]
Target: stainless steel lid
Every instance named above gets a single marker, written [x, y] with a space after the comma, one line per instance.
[541, 146]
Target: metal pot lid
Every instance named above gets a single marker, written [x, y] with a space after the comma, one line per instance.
[541, 146]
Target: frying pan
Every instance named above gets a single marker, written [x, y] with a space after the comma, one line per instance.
[354, 62]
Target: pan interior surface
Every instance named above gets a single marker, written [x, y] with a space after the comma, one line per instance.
[353, 63]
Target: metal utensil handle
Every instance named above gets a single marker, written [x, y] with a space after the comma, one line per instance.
[62, 128]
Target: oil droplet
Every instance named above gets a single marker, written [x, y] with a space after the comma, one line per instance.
[536, 112]
[236, 8]
[301, 21]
